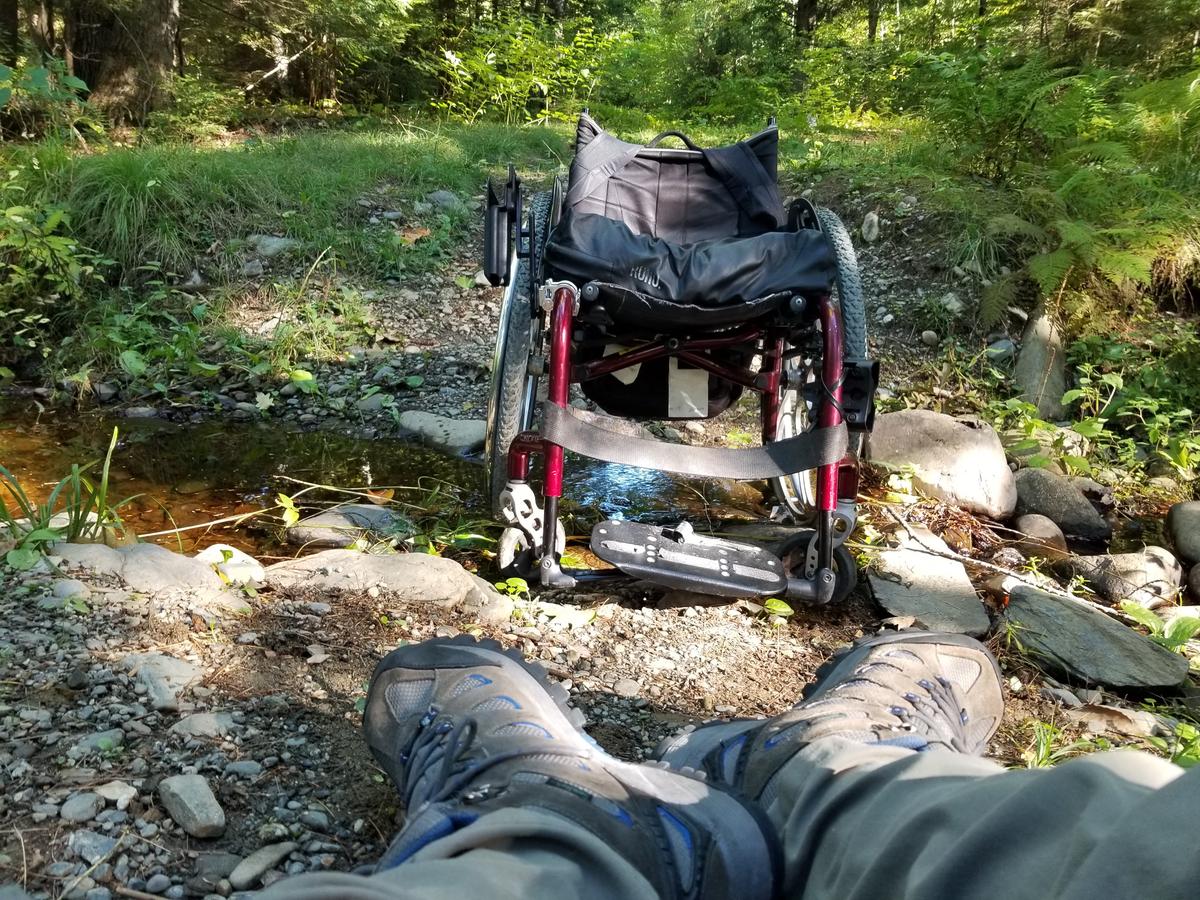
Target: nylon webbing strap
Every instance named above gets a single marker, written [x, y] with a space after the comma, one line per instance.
[600, 160]
[748, 182]
[584, 433]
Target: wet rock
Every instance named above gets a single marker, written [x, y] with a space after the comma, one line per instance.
[118, 793]
[91, 846]
[81, 807]
[1041, 366]
[1087, 644]
[250, 870]
[910, 581]
[190, 802]
[959, 461]
[1053, 496]
[412, 576]
[236, 565]
[456, 435]
[268, 246]
[205, 725]
[870, 227]
[1041, 537]
[1183, 526]
[163, 676]
[1150, 577]
[343, 525]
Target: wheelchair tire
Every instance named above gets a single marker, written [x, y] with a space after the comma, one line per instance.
[513, 399]
[797, 492]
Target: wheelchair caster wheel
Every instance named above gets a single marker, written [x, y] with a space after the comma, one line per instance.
[516, 557]
[794, 551]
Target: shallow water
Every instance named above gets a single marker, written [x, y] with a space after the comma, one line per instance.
[189, 475]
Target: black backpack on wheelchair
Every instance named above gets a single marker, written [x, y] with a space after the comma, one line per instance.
[665, 282]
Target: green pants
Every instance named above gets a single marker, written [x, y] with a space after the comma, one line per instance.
[860, 821]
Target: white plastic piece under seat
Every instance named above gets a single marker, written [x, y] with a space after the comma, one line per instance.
[625, 376]
[687, 392]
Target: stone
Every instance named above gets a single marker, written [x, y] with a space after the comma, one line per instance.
[1183, 527]
[268, 246]
[156, 884]
[959, 461]
[626, 687]
[105, 392]
[372, 402]
[244, 768]
[65, 588]
[481, 280]
[315, 819]
[1053, 496]
[951, 303]
[1086, 644]
[251, 869]
[456, 435]
[101, 742]
[1040, 537]
[344, 525]
[1193, 583]
[1149, 577]
[445, 200]
[205, 725]
[910, 581]
[118, 793]
[91, 846]
[1001, 352]
[151, 569]
[164, 677]
[1041, 366]
[253, 268]
[211, 870]
[139, 412]
[190, 802]
[870, 227]
[930, 338]
[237, 566]
[81, 807]
[415, 577]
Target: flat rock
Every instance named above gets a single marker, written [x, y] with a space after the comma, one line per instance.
[81, 807]
[237, 566]
[415, 577]
[959, 461]
[150, 569]
[164, 677]
[119, 793]
[908, 581]
[343, 525]
[190, 802]
[1149, 577]
[456, 435]
[205, 724]
[1040, 537]
[91, 846]
[1041, 369]
[1183, 525]
[1051, 495]
[211, 869]
[258, 863]
[1087, 644]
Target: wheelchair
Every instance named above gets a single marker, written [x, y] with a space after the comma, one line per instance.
[665, 281]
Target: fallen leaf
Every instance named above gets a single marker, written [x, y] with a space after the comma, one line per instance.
[412, 235]
[571, 616]
[380, 497]
[1101, 718]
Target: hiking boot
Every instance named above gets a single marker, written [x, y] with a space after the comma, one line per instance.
[918, 690]
[465, 728]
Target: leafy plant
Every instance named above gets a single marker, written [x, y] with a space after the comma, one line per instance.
[1046, 748]
[1173, 635]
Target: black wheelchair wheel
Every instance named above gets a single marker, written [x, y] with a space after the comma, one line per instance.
[797, 492]
[513, 399]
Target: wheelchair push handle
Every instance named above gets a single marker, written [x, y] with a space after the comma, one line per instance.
[691, 145]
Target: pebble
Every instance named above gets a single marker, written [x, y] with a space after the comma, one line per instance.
[156, 884]
[91, 846]
[315, 819]
[930, 338]
[81, 807]
[250, 870]
[626, 687]
[190, 802]
[244, 768]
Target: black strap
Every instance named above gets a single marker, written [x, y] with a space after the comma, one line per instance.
[748, 181]
[593, 435]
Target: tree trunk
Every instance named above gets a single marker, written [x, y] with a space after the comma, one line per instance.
[10, 32]
[805, 20]
[39, 19]
[874, 8]
[126, 58]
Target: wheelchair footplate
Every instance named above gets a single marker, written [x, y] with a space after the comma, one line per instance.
[675, 556]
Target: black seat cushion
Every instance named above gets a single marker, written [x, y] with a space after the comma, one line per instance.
[718, 274]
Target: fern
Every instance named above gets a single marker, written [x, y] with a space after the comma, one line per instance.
[1119, 266]
[997, 298]
[1009, 224]
[1049, 270]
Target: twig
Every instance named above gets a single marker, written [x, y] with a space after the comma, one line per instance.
[1000, 570]
[137, 895]
[280, 66]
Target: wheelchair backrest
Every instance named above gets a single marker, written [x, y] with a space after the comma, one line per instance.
[680, 195]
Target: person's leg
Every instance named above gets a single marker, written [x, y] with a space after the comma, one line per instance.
[507, 798]
[875, 791]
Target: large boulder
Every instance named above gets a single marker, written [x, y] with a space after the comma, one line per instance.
[1183, 525]
[960, 461]
[909, 580]
[1149, 577]
[1041, 369]
[154, 570]
[1084, 643]
[1193, 583]
[344, 525]
[455, 435]
[415, 577]
[1051, 495]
